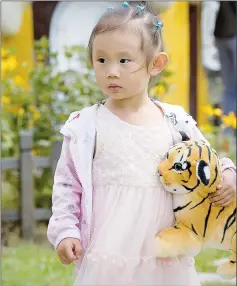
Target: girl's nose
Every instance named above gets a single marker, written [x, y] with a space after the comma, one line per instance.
[113, 72]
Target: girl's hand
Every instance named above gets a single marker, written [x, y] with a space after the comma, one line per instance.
[225, 191]
[69, 249]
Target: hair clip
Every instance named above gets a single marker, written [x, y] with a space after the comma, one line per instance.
[110, 8]
[125, 4]
[140, 8]
[159, 25]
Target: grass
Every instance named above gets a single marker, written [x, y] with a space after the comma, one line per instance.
[218, 284]
[38, 265]
[34, 265]
[204, 261]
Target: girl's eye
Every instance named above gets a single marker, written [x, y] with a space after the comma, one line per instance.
[101, 60]
[124, 61]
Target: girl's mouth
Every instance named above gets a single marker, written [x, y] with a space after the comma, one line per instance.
[114, 87]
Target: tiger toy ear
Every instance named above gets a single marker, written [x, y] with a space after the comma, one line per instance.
[184, 136]
[203, 172]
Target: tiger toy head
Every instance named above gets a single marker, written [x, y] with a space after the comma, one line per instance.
[190, 166]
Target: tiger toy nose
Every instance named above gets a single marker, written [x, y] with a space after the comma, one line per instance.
[159, 173]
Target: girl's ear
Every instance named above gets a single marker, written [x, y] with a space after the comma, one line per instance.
[158, 64]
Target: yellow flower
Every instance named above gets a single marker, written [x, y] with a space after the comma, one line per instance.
[5, 99]
[11, 63]
[36, 115]
[7, 65]
[208, 109]
[4, 53]
[3, 69]
[157, 90]
[14, 109]
[229, 120]
[21, 111]
[18, 80]
[217, 112]
[32, 108]
[208, 128]
[232, 119]
[160, 89]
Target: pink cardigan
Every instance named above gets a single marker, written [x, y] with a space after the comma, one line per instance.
[72, 189]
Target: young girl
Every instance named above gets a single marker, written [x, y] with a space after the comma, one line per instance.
[108, 203]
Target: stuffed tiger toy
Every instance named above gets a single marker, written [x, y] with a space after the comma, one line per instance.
[191, 171]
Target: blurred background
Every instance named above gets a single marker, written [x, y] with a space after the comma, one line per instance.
[45, 75]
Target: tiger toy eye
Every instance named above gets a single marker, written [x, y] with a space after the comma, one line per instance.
[178, 167]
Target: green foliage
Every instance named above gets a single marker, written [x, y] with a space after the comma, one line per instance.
[36, 106]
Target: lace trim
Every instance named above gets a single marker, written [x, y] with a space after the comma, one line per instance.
[120, 260]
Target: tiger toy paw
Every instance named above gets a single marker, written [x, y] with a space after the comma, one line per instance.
[164, 249]
[186, 242]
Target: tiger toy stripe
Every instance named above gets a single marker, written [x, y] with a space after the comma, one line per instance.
[191, 171]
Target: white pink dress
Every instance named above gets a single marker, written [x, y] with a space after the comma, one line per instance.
[129, 208]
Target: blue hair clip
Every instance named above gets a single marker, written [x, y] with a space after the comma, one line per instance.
[125, 4]
[159, 25]
[140, 8]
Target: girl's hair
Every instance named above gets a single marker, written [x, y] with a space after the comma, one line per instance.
[142, 21]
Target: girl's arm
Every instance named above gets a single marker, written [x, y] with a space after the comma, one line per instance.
[66, 199]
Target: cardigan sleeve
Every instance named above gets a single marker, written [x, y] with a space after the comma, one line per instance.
[66, 199]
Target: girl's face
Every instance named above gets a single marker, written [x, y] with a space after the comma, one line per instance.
[119, 64]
